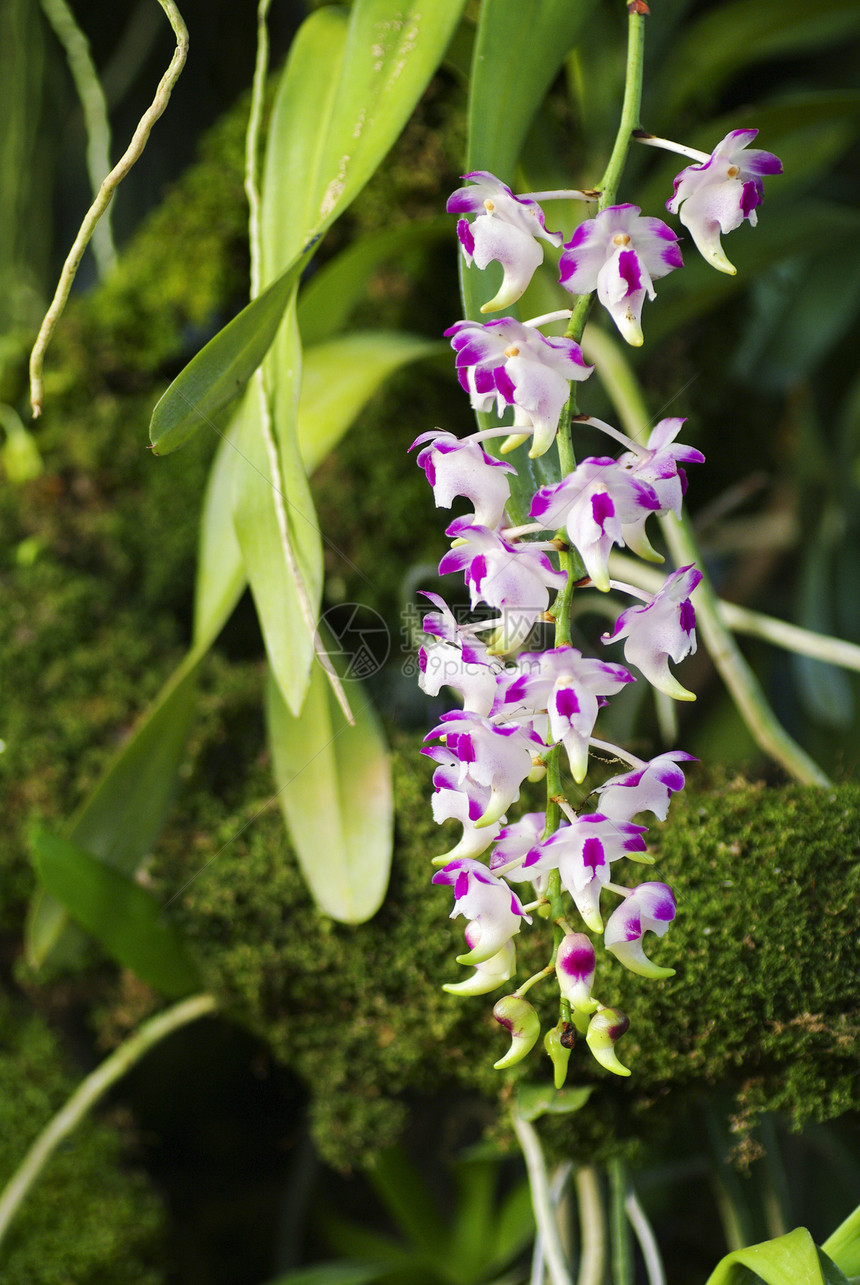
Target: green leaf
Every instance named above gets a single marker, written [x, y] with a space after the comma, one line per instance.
[125, 919]
[327, 300]
[221, 574]
[340, 376]
[401, 1188]
[349, 87]
[334, 788]
[793, 1259]
[260, 484]
[220, 371]
[535, 1100]
[121, 819]
[843, 1245]
[511, 74]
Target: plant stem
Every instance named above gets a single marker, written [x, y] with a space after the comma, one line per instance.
[620, 383]
[647, 1239]
[89, 1091]
[542, 1202]
[622, 1250]
[103, 199]
[592, 1223]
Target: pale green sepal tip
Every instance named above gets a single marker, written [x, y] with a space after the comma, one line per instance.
[512, 442]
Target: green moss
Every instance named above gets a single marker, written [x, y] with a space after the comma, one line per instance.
[89, 1218]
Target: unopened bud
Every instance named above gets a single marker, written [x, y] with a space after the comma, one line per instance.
[559, 1042]
[574, 968]
[518, 1017]
[604, 1031]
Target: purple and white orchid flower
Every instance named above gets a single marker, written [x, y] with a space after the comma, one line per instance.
[582, 853]
[649, 906]
[456, 466]
[488, 904]
[500, 757]
[515, 578]
[620, 254]
[662, 630]
[646, 789]
[571, 688]
[505, 230]
[601, 503]
[515, 365]
[716, 196]
[490, 973]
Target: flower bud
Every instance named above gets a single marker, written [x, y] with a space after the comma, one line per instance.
[490, 973]
[574, 968]
[518, 1017]
[604, 1030]
[559, 1042]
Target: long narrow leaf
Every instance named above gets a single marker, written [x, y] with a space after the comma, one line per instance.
[334, 788]
[219, 372]
[125, 919]
[261, 486]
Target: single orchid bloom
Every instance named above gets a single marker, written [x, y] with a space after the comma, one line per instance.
[456, 466]
[649, 906]
[601, 503]
[494, 912]
[646, 789]
[716, 196]
[490, 973]
[515, 578]
[662, 630]
[620, 254]
[443, 624]
[500, 757]
[512, 364]
[571, 688]
[582, 853]
[505, 230]
[575, 968]
[657, 465]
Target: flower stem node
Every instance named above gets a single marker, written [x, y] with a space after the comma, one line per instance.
[518, 1017]
[604, 1031]
[559, 1051]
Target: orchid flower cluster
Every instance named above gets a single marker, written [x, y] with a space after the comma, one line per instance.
[521, 710]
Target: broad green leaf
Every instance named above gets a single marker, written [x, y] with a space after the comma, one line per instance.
[535, 1100]
[843, 1245]
[260, 485]
[512, 72]
[793, 1259]
[220, 569]
[220, 371]
[401, 1187]
[328, 299]
[349, 87]
[338, 377]
[125, 919]
[123, 816]
[334, 787]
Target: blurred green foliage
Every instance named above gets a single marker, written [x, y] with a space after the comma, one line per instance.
[90, 1219]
